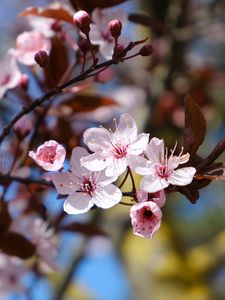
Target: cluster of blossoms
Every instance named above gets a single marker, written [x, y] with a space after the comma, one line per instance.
[90, 179]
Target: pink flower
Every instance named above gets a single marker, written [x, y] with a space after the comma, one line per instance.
[145, 218]
[160, 168]
[10, 75]
[114, 151]
[40, 235]
[85, 188]
[11, 271]
[50, 156]
[100, 33]
[27, 44]
[159, 197]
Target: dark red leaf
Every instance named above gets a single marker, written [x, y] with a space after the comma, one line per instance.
[87, 103]
[58, 61]
[86, 229]
[59, 14]
[191, 195]
[15, 244]
[148, 21]
[90, 5]
[5, 218]
[195, 127]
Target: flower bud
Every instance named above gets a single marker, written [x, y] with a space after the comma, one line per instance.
[24, 82]
[23, 126]
[56, 26]
[82, 20]
[115, 27]
[146, 50]
[118, 51]
[41, 58]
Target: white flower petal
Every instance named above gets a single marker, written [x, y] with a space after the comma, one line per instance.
[97, 139]
[116, 167]
[95, 162]
[63, 183]
[183, 176]
[155, 150]
[107, 197]
[139, 164]
[78, 203]
[77, 154]
[127, 127]
[139, 145]
[152, 184]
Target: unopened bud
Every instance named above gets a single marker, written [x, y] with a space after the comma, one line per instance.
[118, 51]
[146, 50]
[82, 20]
[84, 45]
[115, 27]
[56, 26]
[24, 82]
[41, 58]
[23, 126]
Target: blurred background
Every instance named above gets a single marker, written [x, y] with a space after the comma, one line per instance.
[186, 258]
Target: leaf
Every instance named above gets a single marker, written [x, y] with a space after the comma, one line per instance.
[148, 21]
[87, 103]
[191, 195]
[86, 229]
[195, 127]
[15, 244]
[90, 5]
[59, 13]
[58, 61]
[5, 218]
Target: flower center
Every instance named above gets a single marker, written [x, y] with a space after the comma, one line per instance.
[147, 214]
[88, 185]
[163, 171]
[119, 151]
[47, 154]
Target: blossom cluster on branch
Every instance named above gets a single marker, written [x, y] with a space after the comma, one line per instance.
[67, 50]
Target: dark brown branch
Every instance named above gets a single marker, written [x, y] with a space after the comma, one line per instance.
[217, 151]
[8, 179]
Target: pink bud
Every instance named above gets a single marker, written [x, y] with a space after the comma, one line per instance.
[24, 81]
[23, 126]
[118, 51]
[41, 58]
[115, 27]
[146, 50]
[82, 20]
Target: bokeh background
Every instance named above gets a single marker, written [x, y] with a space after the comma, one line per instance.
[186, 258]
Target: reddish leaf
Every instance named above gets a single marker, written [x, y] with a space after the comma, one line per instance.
[191, 195]
[148, 21]
[87, 103]
[15, 244]
[86, 229]
[90, 5]
[58, 61]
[60, 14]
[5, 218]
[195, 127]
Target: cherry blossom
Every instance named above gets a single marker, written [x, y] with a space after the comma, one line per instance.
[10, 75]
[159, 169]
[114, 151]
[27, 44]
[145, 218]
[159, 197]
[11, 271]
[41, 235]
[85, 188]
[100, 33]
[50, 156]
